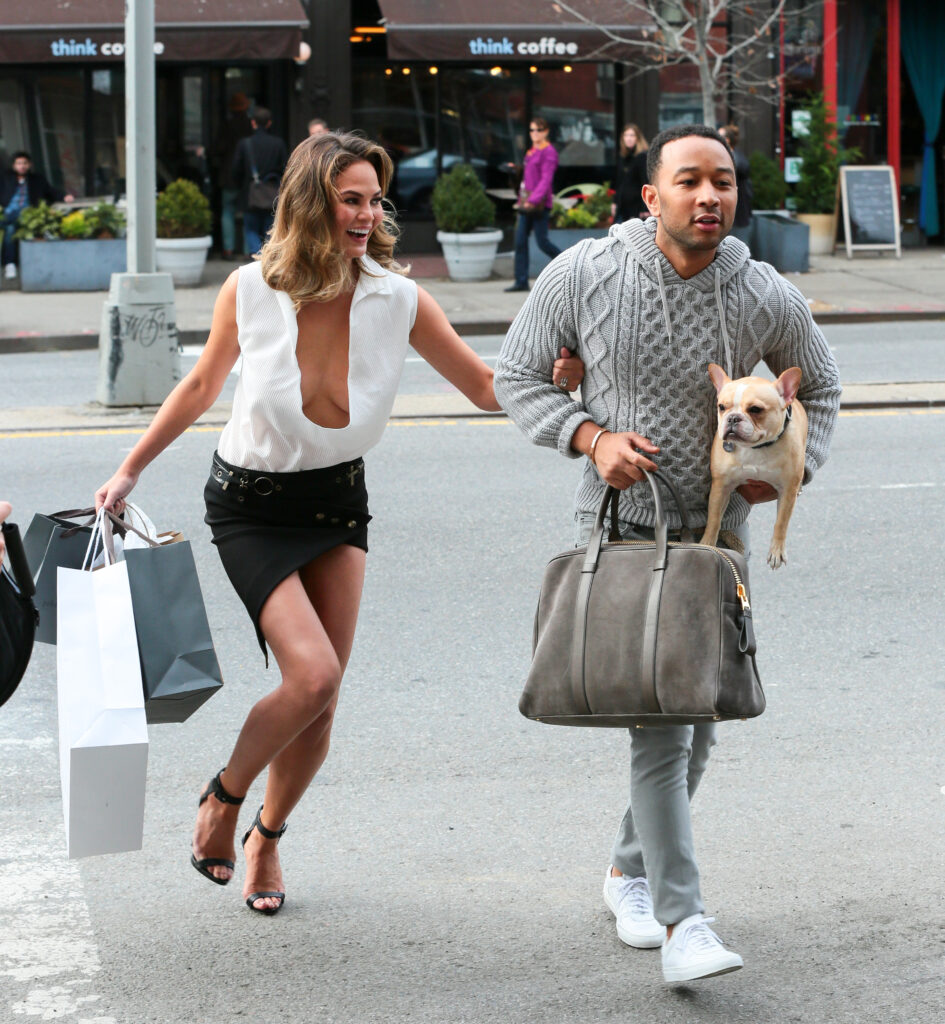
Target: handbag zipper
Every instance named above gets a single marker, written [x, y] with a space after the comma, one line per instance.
[740, 589]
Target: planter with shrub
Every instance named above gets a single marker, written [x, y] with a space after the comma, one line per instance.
[183, 232]
[71, 252]
[464, 215]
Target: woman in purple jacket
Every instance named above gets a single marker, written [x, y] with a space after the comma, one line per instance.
[534, 202]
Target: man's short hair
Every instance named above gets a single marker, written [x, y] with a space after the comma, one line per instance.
[318, 120]
[678, 131]
[19, 154]
[262, 116]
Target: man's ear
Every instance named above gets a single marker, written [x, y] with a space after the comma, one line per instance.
[652, 200]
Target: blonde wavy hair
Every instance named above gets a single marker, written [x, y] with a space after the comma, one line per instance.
[301, 256]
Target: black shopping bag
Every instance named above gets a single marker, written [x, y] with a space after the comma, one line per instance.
[179, 668]
[51, 541]
[17, 615]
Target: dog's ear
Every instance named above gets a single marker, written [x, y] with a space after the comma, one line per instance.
[719, 376]
[788, 383]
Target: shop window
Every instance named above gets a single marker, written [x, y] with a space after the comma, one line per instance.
[13, 129]
[108, 132]
[60, 105]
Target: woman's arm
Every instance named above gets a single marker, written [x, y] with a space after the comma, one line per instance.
[433, 338]
[186, 403]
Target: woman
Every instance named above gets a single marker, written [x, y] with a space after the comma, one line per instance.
[322, 322]
[535, 201]
[628, 200]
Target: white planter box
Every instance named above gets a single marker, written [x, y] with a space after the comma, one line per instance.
[469, 257]
[182, 258]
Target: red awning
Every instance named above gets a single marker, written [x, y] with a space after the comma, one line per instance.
[93, 31]
[509, 31]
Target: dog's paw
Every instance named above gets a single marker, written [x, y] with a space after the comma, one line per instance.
[776, 557]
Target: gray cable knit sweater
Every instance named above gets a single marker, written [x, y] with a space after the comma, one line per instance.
[646, 337]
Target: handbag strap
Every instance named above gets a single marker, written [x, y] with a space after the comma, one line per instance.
[654, 595]
[18, 563]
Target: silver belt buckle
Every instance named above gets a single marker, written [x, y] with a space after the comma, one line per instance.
[263, 479]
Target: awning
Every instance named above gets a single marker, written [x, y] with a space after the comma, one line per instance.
[509, 31]
[93, 31]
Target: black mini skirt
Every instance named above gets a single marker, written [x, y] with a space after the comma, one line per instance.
[268, 525]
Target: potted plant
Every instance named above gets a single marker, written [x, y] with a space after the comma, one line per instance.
[815, 197]
[775, 237]
[183, 232]
[464, 214]
[76, 251]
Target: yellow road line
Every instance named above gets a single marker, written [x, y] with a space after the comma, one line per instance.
[485, 421]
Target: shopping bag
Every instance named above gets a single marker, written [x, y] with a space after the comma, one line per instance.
[179, 667]
[17, 614]
[52, 541]
[103, 736]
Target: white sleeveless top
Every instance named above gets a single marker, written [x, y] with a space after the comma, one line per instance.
[268, 429]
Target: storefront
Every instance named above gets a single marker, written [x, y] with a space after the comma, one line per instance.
[62, 83]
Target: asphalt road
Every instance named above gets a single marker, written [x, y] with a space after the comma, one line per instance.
[903, 351]
[446, 865]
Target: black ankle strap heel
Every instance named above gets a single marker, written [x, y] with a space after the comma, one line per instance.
[216, 789]
[204, 864]
[266, 833]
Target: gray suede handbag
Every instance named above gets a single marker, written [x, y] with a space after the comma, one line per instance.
[633, 633]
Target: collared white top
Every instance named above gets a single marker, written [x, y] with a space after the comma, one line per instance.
[268, 429]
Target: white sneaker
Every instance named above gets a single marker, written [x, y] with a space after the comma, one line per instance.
[630, 902]
[695, 951]
[9, 271]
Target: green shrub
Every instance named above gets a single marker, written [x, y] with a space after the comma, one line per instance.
[74, 225]
[821, 157]
[590, 211]
[105, 220]
[460, 203]
[767, 182]
[183, 211]
[40, 221]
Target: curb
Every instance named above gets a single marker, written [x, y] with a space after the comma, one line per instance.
[13, 344]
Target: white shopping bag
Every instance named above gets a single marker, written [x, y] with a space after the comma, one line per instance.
[103, 736]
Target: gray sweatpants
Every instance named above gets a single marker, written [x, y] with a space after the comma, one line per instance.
[666, 765]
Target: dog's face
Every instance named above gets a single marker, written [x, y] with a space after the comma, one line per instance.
[751, 409]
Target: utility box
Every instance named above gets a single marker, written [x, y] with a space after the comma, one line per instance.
[139, 355]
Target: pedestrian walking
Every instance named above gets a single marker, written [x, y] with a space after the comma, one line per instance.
[259, 159]
[628, 196]
[321, 321]
[236, 127]
[647, 308]
[21, 187]
[536, 198]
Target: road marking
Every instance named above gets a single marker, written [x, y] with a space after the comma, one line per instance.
[22, 435]
[48, 955]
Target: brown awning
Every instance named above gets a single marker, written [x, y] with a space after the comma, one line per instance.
[93, 31]
[509, 31]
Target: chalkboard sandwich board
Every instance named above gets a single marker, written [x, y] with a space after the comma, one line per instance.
[870, 208]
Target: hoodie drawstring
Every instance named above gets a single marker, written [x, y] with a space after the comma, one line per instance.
[663, 299]
[726, 341]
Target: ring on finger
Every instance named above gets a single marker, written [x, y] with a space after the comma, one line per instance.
[563, 383]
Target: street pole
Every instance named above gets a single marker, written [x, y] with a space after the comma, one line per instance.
[139, 357]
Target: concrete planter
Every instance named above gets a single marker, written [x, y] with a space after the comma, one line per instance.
[469, 257]
[563, 238]
[73, 265]
[823, 232]
[182, 258]
[778, 239]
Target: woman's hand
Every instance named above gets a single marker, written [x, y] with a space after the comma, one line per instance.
[568, 371]
[111, 495]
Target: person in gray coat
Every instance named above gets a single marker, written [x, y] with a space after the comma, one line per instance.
[646, 309]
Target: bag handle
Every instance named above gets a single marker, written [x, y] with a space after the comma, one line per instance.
[18, 563]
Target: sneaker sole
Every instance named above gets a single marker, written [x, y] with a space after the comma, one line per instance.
[672, 977]
[631, 939]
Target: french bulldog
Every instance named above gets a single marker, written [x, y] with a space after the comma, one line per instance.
[762, 435]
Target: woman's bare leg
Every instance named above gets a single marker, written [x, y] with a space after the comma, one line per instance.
[304, 701]
[292, 770]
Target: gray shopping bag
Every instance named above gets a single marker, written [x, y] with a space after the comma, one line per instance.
[52, 541]
[179, 667]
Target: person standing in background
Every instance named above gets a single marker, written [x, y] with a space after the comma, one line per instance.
[729, 132]
[19, 188]
[535, 201]
[261, 156]
[628, 199]
[318, 126]
[236, 127]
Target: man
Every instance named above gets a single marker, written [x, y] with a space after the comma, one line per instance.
[19, 188]
[318, 126]
[647, 309]
[261, 157]
[236, 127]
